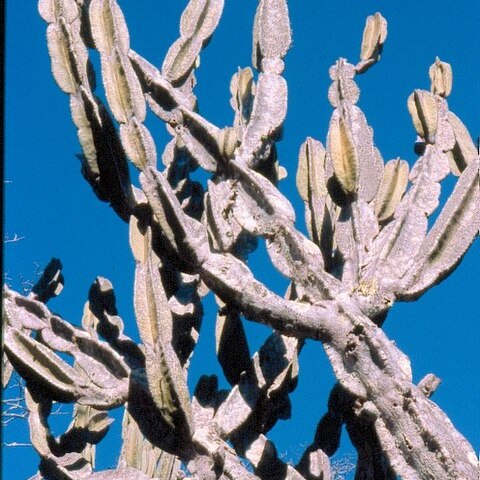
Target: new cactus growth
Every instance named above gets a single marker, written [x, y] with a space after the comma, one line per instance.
[369, 245]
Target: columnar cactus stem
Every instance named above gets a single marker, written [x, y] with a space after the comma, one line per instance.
[103, 161]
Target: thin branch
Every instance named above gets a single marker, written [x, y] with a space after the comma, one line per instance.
[15, 238]
[16, 444]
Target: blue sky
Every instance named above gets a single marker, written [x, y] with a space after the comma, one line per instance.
[50, 205]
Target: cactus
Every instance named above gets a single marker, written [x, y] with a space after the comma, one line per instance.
[369, 245]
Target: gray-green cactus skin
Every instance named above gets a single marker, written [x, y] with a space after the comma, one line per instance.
[369, 246]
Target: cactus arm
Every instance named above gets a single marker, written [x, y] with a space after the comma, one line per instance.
[22, 350]
[165, 375]
[54, 463]
[183, 291]
[198, 22]
[160, 93]
[397, 244]
[392, 187]
[343, 87]
[271, 41]
[353, 173]
[65, 45]
[50, 284]
[184, 233]
[452, 234]
[100, 318]
[343, 154]
[464, 150]
[268, 113]
[374, 36]
[180, 59]
[356, 162]
[271, 33]
[196, 149]
[440, 74]
[423, 109]
[158, 90]
[258, 190]
[104, 164]
[202, 132]
[201, 18]
[89, 425]
[103, 379]
[233, 282]
[429, 114]
[242, 88]
[320, 211]
[447, 146]
[122, 87]
[200, 138]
